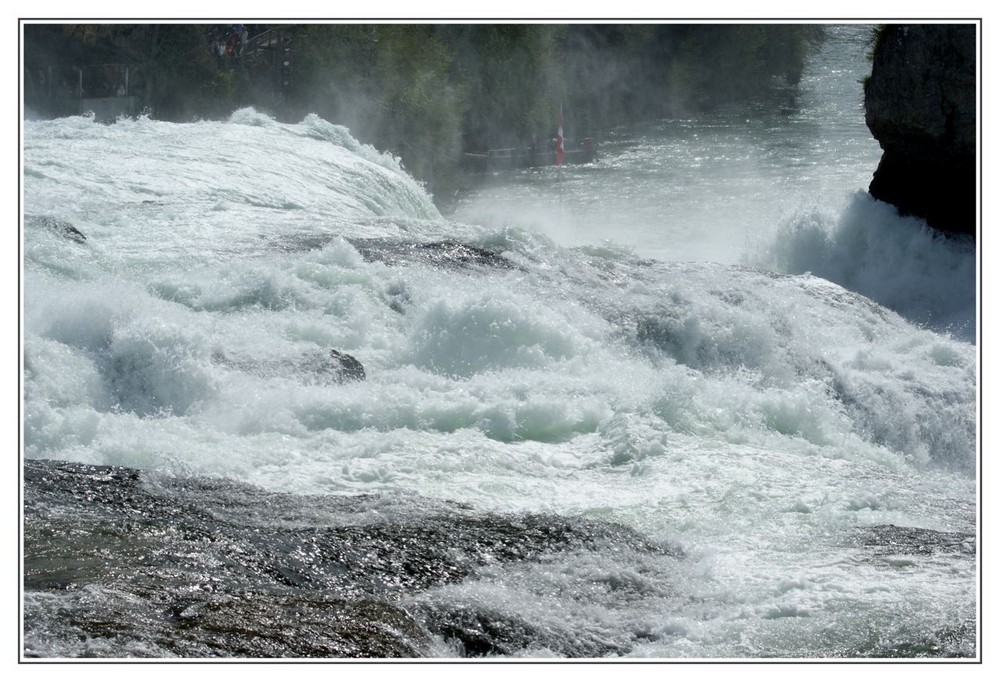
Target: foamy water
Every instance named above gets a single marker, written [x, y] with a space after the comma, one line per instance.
[751, 414]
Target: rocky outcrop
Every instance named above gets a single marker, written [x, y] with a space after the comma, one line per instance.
[124, 563]
[920, 104]
[346, 367]
[316, 366]
[443, 254]
[60, 227]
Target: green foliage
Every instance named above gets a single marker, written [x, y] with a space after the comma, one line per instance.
[428, 92]
[390, 84]
[716, 64]
[877, 34]
[510, 78]
[184, 76]
[612, 74]
[420, 110]
[333, 71]
[172, 68]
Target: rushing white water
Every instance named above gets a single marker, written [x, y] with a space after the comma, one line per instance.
[781, 185]
[685, 378]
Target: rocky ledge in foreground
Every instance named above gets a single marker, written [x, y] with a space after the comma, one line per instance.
[122, 563]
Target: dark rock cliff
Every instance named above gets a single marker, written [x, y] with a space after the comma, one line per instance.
[920, 104]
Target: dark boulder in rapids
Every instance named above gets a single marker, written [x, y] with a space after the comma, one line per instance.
[920, 104]
[443, 254]
[347, 367]
[60, 227]
[333, 367]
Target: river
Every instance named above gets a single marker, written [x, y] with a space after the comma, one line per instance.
[701, 399]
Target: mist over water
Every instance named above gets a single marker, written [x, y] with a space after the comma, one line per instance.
[758, 462]
[780, 185]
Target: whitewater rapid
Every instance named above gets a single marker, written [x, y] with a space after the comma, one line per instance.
[752, 418]
[799, 453]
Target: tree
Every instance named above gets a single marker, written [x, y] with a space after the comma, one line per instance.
[427, 92]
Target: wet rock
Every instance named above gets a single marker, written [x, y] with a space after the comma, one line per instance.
[265, 625]
[347, 367]
[331, 367]
[323, 367]
[478, 632]
[448, 254]
[920, 104]
[60, 227]
[957, 641]
[143, 564]
[891, 539]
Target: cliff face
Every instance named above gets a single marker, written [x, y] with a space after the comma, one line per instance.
[920, 104]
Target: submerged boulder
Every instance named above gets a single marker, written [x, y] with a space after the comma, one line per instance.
[60, 227]
[920, 104]
[347, 367]
[442, 254]
[333, 367]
